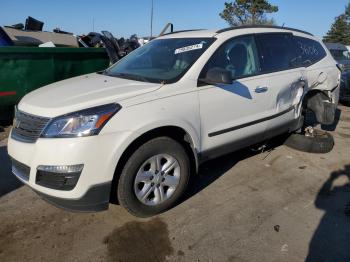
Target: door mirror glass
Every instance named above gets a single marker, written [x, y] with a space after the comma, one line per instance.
[217, 75]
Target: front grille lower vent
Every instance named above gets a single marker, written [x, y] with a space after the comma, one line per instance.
[21, 170]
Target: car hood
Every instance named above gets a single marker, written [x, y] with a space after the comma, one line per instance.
[80, 93]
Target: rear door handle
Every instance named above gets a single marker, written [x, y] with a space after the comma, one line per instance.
[261, 89]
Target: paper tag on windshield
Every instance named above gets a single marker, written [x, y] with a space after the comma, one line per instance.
[188, 48]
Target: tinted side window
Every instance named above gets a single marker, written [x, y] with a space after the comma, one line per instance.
[238, 55]
[277, 51]
[309, 51]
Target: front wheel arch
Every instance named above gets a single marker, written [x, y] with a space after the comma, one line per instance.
[174, 132]
[148, 185]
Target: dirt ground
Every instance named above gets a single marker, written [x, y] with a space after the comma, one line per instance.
[4, 131]
[279, 205]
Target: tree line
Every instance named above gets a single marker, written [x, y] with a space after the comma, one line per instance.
[255, 12]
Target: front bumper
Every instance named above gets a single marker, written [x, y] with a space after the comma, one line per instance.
[95, 199]
[99, 155]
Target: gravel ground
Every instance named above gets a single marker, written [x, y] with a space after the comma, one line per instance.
[280, 205]
[4, 132]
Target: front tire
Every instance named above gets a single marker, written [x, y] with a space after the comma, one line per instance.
[154, 178]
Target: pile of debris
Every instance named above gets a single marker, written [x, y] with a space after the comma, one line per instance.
[31, 34]
[24, 67]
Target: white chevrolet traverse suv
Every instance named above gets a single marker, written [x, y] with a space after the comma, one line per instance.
[137, 131]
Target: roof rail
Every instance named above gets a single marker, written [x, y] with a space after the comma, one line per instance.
[168, 25]
[182, 31]
[261, 26]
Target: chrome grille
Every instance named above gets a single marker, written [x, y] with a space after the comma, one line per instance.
[28, 128]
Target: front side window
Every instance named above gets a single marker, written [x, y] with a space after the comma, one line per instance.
[277, 52]
[238, 56]
[162, 60]
[309, 51]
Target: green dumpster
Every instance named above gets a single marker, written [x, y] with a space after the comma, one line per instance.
[23, 69]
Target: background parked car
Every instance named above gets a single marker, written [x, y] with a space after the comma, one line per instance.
[342, 55]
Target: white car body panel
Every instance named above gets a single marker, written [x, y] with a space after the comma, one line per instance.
[80, 93]
[97, 153]
[199, 111]
[226, 106]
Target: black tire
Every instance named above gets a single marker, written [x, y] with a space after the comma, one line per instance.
[322, 142]
[126, 193]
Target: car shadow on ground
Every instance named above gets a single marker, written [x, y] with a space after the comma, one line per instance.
[8, 182]
[330, 241]
[211, 170]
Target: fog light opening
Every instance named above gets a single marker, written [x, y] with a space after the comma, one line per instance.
[59, 177]
[62, 169]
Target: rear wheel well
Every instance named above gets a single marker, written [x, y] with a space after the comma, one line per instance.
[174, 132]
[322, 112]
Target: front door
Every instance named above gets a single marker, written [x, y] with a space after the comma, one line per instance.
[231, 115]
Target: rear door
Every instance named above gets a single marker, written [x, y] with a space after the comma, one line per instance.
[285, 80]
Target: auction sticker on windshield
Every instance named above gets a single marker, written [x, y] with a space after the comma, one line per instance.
[188, 48]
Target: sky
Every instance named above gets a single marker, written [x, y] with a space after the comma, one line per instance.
[123, 18]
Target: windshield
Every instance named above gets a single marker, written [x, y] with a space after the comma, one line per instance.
[163, 60]
[340, 54]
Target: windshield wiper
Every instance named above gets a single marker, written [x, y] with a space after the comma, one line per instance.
[102, 72]
[131, 77]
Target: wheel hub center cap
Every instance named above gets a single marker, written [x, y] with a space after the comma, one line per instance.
[157, 178]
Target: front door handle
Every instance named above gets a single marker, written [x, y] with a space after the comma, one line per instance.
[261, 89]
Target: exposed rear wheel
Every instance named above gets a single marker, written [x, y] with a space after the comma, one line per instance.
[154, 177]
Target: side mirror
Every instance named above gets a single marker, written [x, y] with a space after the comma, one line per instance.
[217, 75]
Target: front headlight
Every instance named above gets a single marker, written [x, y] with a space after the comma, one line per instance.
[86, 122]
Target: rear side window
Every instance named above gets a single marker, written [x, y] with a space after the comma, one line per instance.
[309, 51]
[277, 51]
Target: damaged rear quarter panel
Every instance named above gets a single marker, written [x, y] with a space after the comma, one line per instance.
[322, 94]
